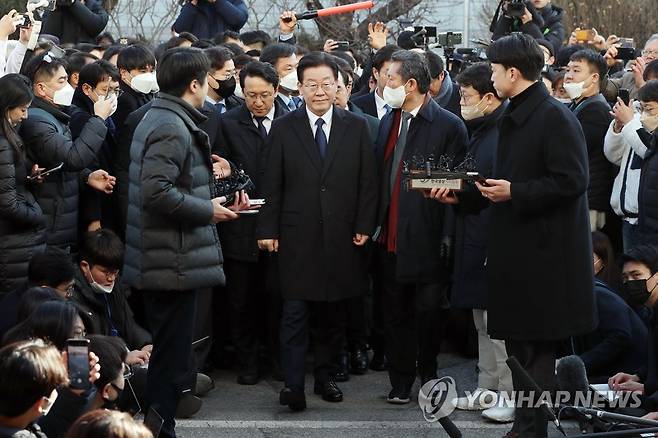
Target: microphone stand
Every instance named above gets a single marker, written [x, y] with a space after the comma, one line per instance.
[617, 433]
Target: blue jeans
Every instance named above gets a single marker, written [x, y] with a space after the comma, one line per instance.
[629, 235]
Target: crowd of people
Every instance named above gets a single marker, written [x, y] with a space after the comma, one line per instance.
[226, 199]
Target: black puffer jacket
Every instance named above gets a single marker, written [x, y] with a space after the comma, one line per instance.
[648, 194]
[108, 311]
[545, 25]
[171, 243]
[22, 224]
[48, 142]
[78, 23]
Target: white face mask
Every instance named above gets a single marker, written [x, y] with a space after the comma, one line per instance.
[145, 83]
[473, 111]
[563, 100]
[649, 122]
[98, 288]
[358, 71]
[238, 90]
[575, 89]
[64, 97]
[289, 81]
[394, 97]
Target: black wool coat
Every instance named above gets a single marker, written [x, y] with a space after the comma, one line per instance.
[315, 207]
[540, 250]
[241, 143]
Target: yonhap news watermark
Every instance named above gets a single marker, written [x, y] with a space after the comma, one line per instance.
[438, 398]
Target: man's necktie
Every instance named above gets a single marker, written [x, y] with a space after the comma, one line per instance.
[291, 105]
[220, 107]
[297, 100]
[261, 127]
[321, 138]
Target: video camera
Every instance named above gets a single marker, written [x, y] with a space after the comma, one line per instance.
[515, 8]
[36, 8]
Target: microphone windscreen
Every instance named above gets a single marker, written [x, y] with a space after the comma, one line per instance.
[405, 40]
[572, 375]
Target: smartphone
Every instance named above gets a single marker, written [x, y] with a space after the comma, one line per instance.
[626, 42]
[343, 45]
[625, 96]
[46, 172]
[256, 202]
[153, 422]
[78, 363]
[475, 176]
[626, 53]
[585, 35]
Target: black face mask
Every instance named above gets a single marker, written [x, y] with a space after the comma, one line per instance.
[636, 291]
[226, 88]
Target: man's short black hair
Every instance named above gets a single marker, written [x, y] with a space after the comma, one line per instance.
[413, 66]
[225, 36]
[343, 66]
[645, 253]
[111, 51]
[218, 57]
[102, 247]
[243, 60]
[435, 64]
[301, 50]
[345, 56]
[274, 52]
[547, 45]
[234, 48]
[651, 71]
[478, 76]
[179, 67]
[316, 59]
[76, 61]
[649, 92]
[594, 60]
[262, 70]
[135, 57]
[384, 55]
[111, 352]
[40, 69]
[203, 44]
[564, 54]
[519, 51]
[29, 370]
[52, 268]
[255, 36]
[96, 72]
[106, 36]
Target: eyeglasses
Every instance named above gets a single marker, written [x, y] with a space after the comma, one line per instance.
[225, 77]
[650, 53]
[313, 87]
[127, 371]
[262, 96]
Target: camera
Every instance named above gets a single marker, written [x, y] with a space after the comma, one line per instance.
[515, 8]
[37, 8]
[449, 39]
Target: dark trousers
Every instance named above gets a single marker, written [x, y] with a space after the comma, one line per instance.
[203, 329]
[357, 325]
[171, 317]
[538, 359]
[329, 339]
[251, 309]
[413, 324]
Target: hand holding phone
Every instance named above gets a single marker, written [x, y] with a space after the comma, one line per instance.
[77, 351]
[44, 173]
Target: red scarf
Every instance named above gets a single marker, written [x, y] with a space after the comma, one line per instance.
[390, 227]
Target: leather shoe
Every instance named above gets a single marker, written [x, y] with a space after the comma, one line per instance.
[247, 379]
[359, 361]
[343, 373]
[329, 391]
[188, 405]
[204, 384]
[295, 400]
[379, 362]
[512, 434]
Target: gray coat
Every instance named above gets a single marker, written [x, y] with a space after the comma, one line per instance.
[171, 243]
[48, 142]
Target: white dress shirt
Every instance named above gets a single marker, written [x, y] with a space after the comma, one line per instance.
[267, 122]
[327, 117]
[381, 106]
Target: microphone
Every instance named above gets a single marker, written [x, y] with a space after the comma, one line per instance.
[604, 415]
[529, 384]
[334, 10]
[572, 376]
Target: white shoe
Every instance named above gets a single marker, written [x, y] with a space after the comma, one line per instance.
[499, 414]
[480, 399]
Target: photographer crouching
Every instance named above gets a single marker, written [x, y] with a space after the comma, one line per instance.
[537, 18]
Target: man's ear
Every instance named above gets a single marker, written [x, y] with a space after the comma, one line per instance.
[375, 74]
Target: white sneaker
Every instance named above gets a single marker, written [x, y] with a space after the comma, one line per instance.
[480, 399]
[499, 414]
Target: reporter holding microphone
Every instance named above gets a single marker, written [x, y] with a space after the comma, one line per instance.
[539, 224]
